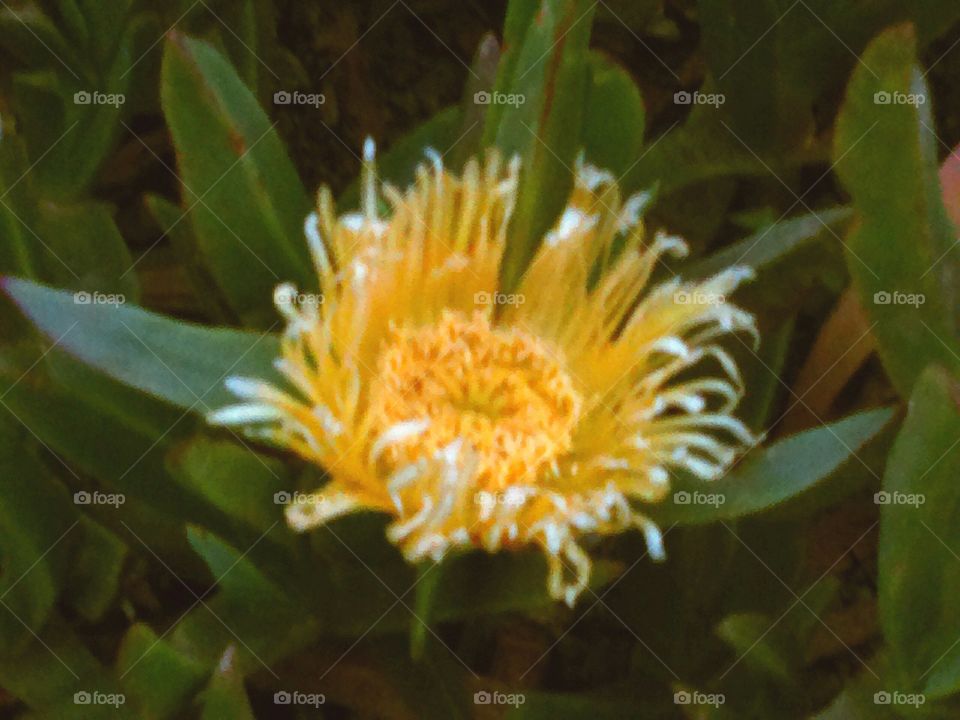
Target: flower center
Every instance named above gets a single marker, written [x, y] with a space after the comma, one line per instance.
[501, 391]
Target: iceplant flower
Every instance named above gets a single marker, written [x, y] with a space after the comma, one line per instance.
[479, 418]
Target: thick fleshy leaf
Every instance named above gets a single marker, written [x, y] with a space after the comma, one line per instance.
[754, 50]
[30, 36]
[479, 583]
[540, 98]
[225, 696]
[520, 16]
[614, 116]
[18, 251]
[157, 679]
[794, 260]
[247, 605]
[179, 232]
[56, 677]
[774, 246]
[772, 475]
[84, 251]
[75, 412]
[902, 251]
[246, 202]
[702, 149]
[181, 363]
[35, 518]
[72, 110]
[761, 372]
[235, 479]
[95, 570]
[920, 541]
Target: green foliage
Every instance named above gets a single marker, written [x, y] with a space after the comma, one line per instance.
[918, 536]
[233, 166]
[901, 253]
[771, 475]
[182, 364]
[546, 65]
[150, 202]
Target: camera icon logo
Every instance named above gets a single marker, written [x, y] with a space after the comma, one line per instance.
[481, 97]
[82, 698]
[82, 298]
[682, 497]
[682, 698]
[881, 498]
[282, 97]
[682, 97]
[882, 698]
[882, 97]
[482, 697]
[881, 297]
[282, 698]
[282, 498]
[82, 97]
[82, 497]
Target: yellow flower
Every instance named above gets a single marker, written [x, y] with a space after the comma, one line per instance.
[479, 418]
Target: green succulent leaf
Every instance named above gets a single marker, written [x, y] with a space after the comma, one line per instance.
[772, 475]
[50, 673]
[754, 50]
[919, 541]
[95, 571]
[702, 148]
[902, 250]
[246, 203]
[774, 247]
[30, 36]
[35, 517]
[614, 116]
[225, 695]
[249, 610]
[547, 80]
[180, 363]
[84, 251]
[157, 679]
[234, 479]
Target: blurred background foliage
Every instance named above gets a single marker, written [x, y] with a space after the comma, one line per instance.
[147, 160]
